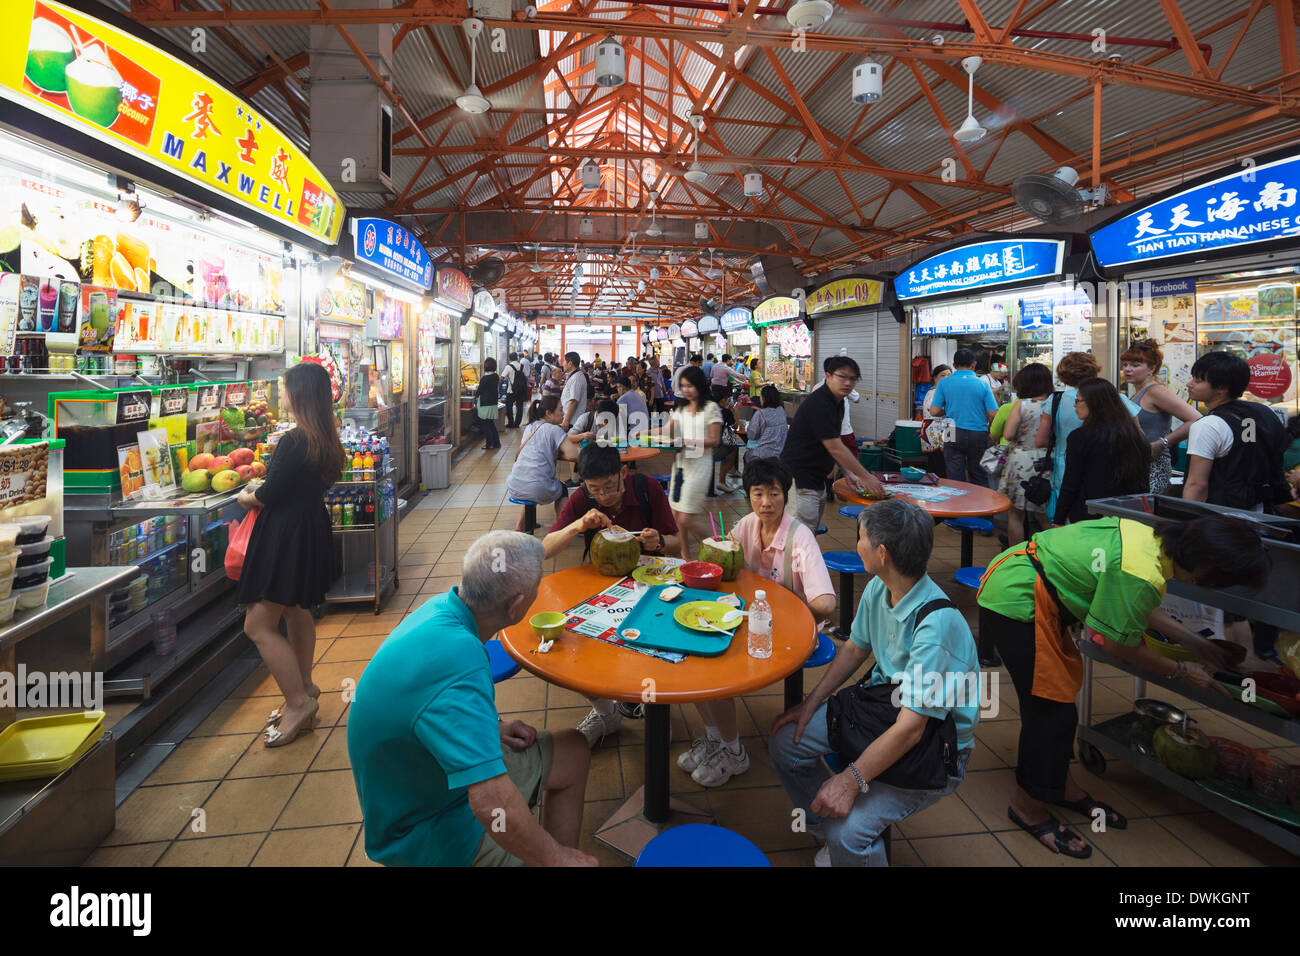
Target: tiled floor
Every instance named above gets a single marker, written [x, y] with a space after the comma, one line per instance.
[221, 798]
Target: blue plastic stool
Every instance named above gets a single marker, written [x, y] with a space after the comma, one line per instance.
[852, 511]
[821, 529]
[847, 563]
[968, 527]
[701, 844]
[663, 480]
[503, 665]
[823, 654]
[969, 577]
[530, 514]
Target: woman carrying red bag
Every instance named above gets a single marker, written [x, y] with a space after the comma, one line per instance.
[289, 564]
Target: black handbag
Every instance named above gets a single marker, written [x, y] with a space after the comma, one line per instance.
[1038, 489]
[857, 715]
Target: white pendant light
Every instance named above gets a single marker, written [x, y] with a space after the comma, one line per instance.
[701, 230]
[970, 130]
[868, 82]
[586, 226]
[611, 65]
[590, 176]
[753, 184]
[809, 14]
[473, 101]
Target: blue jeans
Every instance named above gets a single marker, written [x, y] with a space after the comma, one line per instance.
[855, 840]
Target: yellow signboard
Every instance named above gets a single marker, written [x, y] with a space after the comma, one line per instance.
[100, 80]
[845, 294]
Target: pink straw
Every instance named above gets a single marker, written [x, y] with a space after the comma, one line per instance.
[713, 525]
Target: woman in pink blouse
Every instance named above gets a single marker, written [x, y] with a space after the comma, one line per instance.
[778, 547]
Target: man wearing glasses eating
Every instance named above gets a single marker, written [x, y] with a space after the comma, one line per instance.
[610, 496]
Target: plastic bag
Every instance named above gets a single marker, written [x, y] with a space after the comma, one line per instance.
[238, 546]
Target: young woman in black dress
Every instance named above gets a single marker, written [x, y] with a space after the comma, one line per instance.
[1106, 456]
[290, 561]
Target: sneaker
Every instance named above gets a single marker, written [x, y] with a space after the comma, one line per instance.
[823, 857]
[631, 711]
[720, 766]
[699, 752]
[596, 727]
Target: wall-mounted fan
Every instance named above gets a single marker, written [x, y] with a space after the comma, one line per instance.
[1054, 199]
[488, 272]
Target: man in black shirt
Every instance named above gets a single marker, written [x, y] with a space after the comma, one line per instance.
[813, 447]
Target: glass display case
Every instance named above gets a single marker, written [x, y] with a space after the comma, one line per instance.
[787, 356]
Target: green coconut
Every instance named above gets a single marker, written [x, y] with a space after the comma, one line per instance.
[725, 553]
[615, 553]
[1187, 753]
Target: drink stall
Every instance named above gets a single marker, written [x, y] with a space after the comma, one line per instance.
[786, 348]
[1212, 266]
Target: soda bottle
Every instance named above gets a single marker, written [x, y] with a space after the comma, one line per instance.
[336, 513]
[369, 464]
[349, 513]
[358, 467]
[760, 627]
[370, 508]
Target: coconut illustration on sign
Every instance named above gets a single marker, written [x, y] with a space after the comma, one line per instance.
[49, 53]
[94, 87]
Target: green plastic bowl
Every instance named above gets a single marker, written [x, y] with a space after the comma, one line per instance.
[548, 625]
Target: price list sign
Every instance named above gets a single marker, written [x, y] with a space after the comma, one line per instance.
[23, 470]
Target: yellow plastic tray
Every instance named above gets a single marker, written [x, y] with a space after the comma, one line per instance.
[47, 746]
[1168, 649]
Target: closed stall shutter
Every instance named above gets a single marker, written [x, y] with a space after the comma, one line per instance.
[871, 339]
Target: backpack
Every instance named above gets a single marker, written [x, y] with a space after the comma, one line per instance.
[1245, 478]
[640, 491]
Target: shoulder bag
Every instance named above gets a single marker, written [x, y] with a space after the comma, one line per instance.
[857, 715]
[1038, 489]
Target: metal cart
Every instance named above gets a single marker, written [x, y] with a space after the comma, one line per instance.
[1281, 607]
[369, 573]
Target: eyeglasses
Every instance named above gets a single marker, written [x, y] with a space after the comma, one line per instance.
[846, 379]
[1079, 401]
[605, 489]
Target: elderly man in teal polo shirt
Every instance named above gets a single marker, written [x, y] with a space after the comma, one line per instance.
[441, 779]
[969, 402]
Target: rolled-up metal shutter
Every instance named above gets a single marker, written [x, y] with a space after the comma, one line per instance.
[871, 339]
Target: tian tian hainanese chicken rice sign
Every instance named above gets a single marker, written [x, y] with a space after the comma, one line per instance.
[104, 82]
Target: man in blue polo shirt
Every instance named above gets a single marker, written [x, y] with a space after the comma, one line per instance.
[441, 779]
[969, 402]
[932, 660]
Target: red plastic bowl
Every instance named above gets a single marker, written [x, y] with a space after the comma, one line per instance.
[704, 575]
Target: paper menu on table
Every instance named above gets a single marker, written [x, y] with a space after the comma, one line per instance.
[601, 616]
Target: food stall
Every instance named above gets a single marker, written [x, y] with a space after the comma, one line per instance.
[676, 345]
[154, 228]
[439, 391]
[475, 335]
[1008, 300]
[786, 348]
[1213, 266]
[711, 336]
[741, 339]
[691, 335]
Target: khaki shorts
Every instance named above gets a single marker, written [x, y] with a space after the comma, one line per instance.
[806, 505]
[528, 771]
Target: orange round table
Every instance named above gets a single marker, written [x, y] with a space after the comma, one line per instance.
[638, 453]
[977, 502]
[596, 669]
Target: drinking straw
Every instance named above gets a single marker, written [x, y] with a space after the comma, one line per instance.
[713, 525]
[723, 524]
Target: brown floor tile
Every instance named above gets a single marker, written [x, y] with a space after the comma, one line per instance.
[946, 818]
[294, 758]
[903, 853]
[971, 849]
[257, 684]
[326, 797]
[1223, 843]
[1144, 843]
[214, 851]
[138, 854]
[999, 739]
[367, 624]
[333, 755]
[353, 649]
[157, 813]
[801, 857]
[236, 715]
[314, 846]
[358, 855]
[557, 696]
[764, 711]
[520, 693]
[605, 775]
[763, 816]
[679, 781]
[331, 677]
[201, 758]
[988, 794]
[245, 806]
[333, 709]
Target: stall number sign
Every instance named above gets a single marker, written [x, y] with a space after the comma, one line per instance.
[1250, 205]
[173, 401]
[23, 470]
[237, 394]
[393, 250]
[980, 265]
[209, 397]
[133, 407]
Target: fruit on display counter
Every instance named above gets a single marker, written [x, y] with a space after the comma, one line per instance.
[1187, 753]
[196, 480]
[221, 473]
[615, 553]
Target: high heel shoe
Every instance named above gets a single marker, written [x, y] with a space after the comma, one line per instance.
[274, 716]
[274, 737]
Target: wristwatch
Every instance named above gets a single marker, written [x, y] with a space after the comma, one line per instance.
[863, 786]
[661, 540]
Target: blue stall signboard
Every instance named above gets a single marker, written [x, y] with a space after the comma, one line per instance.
[392, 249]
[980, 265]
[1254, 204]
[734, 319]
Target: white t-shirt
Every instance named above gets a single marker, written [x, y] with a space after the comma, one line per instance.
[1211, 437]
[575, 389]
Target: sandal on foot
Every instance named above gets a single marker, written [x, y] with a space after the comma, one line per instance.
[1088, 807]
[274, 737]
[1061, 836]
[274, 716]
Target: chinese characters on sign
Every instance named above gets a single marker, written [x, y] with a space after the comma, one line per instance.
[392, 249]
[980, 265]
[1254, 205]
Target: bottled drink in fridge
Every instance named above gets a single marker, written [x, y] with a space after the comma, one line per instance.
[760, 627]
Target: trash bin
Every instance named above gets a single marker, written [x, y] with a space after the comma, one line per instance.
[872, 457]
[435, 466]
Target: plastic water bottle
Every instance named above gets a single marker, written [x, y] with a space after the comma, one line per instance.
[760, 627]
